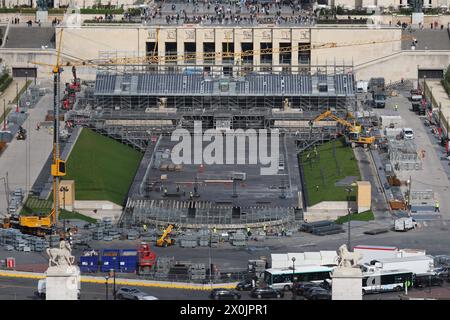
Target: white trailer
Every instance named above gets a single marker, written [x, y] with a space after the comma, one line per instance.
[417, 265]
[404, 224]
[370, 253]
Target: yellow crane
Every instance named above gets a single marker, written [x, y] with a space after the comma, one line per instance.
[165, 240]
[354, 131]
[154, 58]
[45, 224]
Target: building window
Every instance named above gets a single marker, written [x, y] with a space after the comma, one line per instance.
[304, 54]
[189, 52]
[247, 47]
[227, 53]
[209, 49]
[266, 53]
[285, 53]
[170, 52]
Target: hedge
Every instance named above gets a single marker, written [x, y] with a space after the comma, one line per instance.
[5, 84]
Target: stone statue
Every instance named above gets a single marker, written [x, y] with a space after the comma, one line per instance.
[347, 259]
[61, 256]
[41, 5]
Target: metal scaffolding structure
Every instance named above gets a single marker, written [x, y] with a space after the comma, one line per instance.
[196, 214]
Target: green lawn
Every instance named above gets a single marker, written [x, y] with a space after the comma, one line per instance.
[363, 216]
[325, 169]
[103, 169]
[34, 205]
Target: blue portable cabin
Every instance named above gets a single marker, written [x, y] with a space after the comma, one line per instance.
[128, 260]
[89, 263]
[110, 260]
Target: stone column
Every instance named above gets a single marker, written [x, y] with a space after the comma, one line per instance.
[62, 283]
[346, 284]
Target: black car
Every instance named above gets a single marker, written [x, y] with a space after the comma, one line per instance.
[245, 285]
[301, 287]
[224, 294]
[428, 281]
[311, 292]
[266, 293]
[320, 295]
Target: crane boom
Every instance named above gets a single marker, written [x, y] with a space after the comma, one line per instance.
[155, 59]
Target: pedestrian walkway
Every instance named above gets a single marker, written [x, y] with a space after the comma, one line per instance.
[23, 159]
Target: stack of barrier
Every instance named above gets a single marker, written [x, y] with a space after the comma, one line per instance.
[197, 271]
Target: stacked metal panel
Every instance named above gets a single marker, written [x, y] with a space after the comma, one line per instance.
[163, 265]
[403, 155]
[239, 239]
[188, 241]
[197, 271]
[214, 241]
[203, 240]
[13, 239]
[97, 234]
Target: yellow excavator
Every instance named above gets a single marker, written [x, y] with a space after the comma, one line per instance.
[42, 224]
[353, 135]
[165, 240]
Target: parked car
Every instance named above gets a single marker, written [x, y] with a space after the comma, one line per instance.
[224, 294]
[245, 285]
[431, 280]
[315, 292]
[320, 295]
[133, 294]
[267, 292]
[300, 287]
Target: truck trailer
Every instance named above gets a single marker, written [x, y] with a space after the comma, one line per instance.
[417, 265]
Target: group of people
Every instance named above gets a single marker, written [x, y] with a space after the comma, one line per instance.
[231, 12]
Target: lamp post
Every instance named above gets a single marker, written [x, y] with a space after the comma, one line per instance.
[112, 273]
[106, 286]
[349, 190]
[293, 275]
[64, 190]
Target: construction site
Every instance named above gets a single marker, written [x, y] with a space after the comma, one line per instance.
[348, 158]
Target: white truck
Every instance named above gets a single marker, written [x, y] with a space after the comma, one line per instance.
[361, 86]
[404, 224]
[417, 265]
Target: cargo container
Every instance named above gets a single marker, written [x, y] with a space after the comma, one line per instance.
[89, 263]
[110, 260]
[128, 260]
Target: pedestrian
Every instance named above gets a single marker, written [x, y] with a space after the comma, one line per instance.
[38, 126]
[165, 191]
[191, 195]
[145, 227]
[436, 207]
[317, 187]
[396, 107]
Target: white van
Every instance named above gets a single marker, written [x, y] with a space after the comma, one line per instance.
[408, 133]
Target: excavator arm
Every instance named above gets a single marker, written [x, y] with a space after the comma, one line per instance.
[329, 114]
